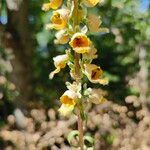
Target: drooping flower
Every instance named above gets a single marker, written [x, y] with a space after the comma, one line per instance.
[53, 4]
[80, 43]
[95, 74]
[94, 24]
[61, 37]
[59, 19]
[96, 96]
[59, 62]
[90, 3]
[68, 101]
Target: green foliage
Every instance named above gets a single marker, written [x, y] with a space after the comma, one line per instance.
[72, 135]
[109, 139]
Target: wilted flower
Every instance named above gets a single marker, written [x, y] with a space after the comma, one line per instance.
[59, 62]
[94, 23]
[90, 3]
[94, 74]
[76, 87]
[90, 55]
[53, 4]
[80, 43]
[61, 37]
[96, 96]
[59, 19]
[68, 100]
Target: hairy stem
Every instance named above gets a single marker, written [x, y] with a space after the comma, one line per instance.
[80, 129]
[78, 77]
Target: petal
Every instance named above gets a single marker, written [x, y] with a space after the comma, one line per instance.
[61, 60]
[57, 70]
[61, 37]
[90, 3]
[55, 4]
[103, 81]
[71, 94]
[82, 50]
[66, 110]
[94, 23]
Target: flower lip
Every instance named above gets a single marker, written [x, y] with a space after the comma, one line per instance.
[90, 3]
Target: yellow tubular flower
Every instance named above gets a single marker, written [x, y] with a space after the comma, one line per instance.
[90, 3]
[53, 4]
[59, 19]
[59, 62]
[68, 100]
[80, 43]
[94, 74]
[96, 96]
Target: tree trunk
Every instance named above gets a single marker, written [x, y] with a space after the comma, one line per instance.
[17, 38]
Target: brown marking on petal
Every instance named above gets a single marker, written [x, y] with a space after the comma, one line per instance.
[80, 42]
[96, 73]
[56, 19]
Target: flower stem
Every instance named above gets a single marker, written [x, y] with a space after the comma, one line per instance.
[78, 77]
[80, 129]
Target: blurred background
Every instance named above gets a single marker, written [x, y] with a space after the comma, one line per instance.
[29, 100]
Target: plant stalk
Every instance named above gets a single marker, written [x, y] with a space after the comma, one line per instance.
[80, 129]
[78, 77]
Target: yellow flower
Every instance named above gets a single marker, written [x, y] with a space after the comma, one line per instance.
[53, 4]
[94, 23]
[96, 96]
[59, 19]
[80, 43]
[61, 37]
[90, 3]
[94, 74]
[68, 101]
[59, 62]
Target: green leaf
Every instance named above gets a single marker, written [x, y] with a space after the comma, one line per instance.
[89, 139]
[71, 135]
